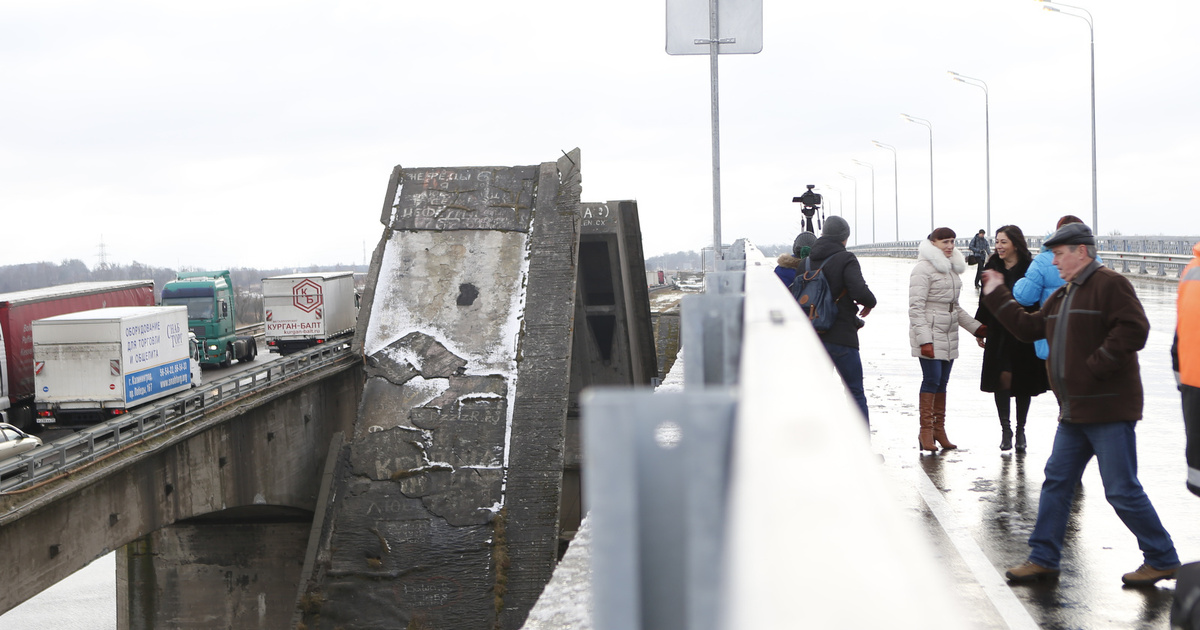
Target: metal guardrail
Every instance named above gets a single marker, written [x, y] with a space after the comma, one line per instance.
[92, 443]
[1161, 265]
[749, 499]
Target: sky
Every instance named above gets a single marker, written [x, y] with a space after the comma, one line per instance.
[262, 133]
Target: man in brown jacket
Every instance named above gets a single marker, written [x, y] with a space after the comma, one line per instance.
[1095, 326]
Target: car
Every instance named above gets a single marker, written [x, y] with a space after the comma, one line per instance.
[14, 441]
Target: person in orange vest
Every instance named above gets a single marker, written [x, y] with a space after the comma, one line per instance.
[1185, 356]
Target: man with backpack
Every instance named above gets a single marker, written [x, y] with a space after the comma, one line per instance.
[848, 288]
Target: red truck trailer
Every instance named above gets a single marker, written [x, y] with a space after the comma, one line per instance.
[17, 312]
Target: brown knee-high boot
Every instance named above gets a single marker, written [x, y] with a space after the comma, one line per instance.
[939, 420]
[925, 437]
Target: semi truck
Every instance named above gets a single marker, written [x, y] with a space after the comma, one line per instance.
[92, 365]
[19, 309]
[301, 310]
[208, 296]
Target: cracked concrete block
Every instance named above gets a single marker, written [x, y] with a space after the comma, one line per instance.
[416, 353]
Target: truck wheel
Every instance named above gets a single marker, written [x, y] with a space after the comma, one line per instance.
[228, 359]
[251, 352]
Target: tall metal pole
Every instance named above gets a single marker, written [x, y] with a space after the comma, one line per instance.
[873, 240]
[713, 53]
[987, 135]
[1086, 17]
[855, 205]
[1092, 37]
[929, 125]
[895, 180]
[839, 192]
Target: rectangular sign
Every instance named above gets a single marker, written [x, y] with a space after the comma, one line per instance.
[148, 382]
[740, 20]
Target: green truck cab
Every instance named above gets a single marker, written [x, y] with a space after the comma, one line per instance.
[208, 296]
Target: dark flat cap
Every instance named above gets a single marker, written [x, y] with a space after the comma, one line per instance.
[1071, 234]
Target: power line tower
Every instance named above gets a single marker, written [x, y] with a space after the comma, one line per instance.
[102, 262]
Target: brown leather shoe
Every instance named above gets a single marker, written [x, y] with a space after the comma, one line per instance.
[1029, 572]
[1147, 575]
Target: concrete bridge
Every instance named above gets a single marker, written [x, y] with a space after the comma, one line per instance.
[211, 519]
[428, 478]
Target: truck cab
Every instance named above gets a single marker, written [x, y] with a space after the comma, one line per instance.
[194, 353]
[208, 296]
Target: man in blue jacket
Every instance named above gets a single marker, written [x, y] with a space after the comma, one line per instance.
[844, 275]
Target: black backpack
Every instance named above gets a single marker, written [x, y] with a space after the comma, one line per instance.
[811, 290]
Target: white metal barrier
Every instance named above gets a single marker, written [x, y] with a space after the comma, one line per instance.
[751, 499]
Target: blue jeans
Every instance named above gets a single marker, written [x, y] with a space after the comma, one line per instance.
[935, 373]
[849, 367]
[1115, 446]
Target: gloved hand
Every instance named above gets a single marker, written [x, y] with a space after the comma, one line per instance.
[981, 332]
[927, 350]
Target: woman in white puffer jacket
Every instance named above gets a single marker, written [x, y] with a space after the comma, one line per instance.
[934, 317]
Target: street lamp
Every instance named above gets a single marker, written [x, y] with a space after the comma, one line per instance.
[987, 137]
[1086, 17]
[926, 123]
[872, 197]
[895, 181]
[855, 204]
[839, 192]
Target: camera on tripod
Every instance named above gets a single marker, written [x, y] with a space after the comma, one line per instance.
[810, 202]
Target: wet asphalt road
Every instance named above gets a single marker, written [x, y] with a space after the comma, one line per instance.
[988, 498]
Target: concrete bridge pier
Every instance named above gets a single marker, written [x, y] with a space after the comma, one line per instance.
[213, 573]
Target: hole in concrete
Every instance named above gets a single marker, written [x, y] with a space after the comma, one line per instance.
[467, 294]
[169, 489]
[53, 550]
[307, 419]
[595, 269]
[602, 327]
[668, 434]
[113, 518]
[270, 436]
[221, 462]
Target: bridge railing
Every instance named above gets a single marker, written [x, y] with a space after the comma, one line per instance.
[751, 498]
[1161, 257]
[95, 442]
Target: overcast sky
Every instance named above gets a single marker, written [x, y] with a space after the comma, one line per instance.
[262, 133]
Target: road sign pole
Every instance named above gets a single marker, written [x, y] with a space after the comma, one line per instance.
[714, 44]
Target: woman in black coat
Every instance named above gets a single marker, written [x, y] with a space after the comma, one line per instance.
[1011, 368]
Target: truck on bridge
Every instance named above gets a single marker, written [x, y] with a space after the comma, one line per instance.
[92, 365]
[208, 296]
[301, 310]
[19, 309]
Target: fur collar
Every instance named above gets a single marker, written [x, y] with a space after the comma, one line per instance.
[789, 261]
[936, 257]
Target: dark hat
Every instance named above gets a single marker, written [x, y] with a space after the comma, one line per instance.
[836, 228]
[806, 239]
[941, 233]
[1071, 234]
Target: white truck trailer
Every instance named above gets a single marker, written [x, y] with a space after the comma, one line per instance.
[301, 310]
[92, 365]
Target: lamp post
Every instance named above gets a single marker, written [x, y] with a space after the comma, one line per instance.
[860, 163]
[839, 192]
[1086, 17]
[855, 205]
[987, 137]
[895, 181]
[929, 125]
